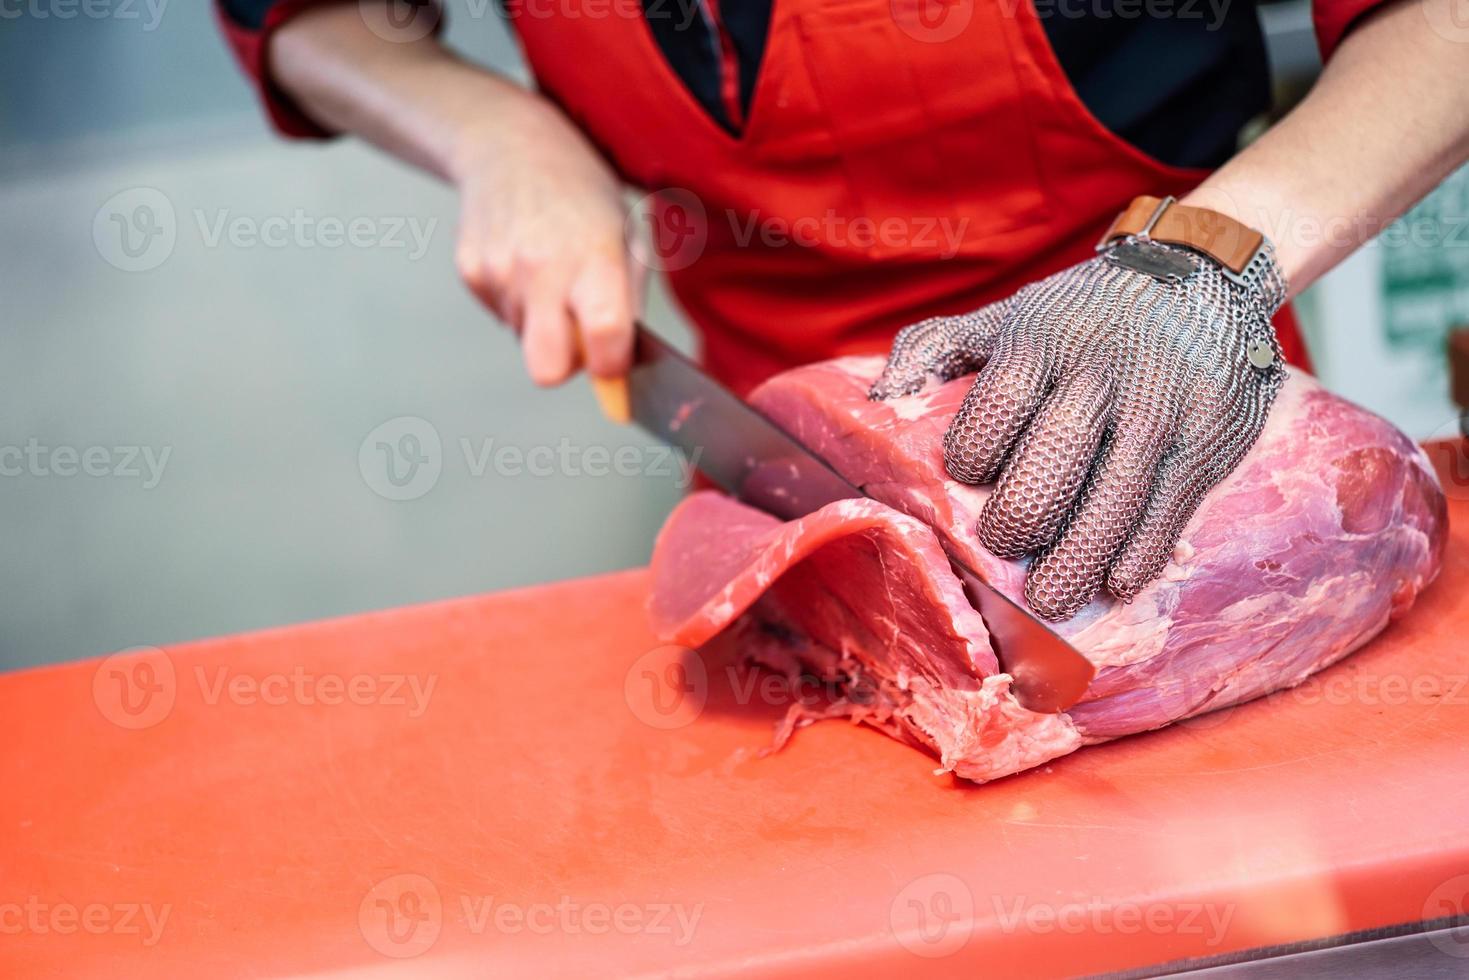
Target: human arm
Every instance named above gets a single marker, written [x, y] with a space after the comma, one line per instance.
[541, 221]
[1111, 399]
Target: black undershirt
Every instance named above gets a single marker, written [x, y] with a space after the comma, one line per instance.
[1179, 85]
[1178, 88]
[1175, 78]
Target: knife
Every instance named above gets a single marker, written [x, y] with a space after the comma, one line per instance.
[752, 458]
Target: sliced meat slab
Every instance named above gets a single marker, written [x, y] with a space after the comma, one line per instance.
[1329, 528]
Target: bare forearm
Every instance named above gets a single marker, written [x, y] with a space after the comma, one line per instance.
[1386, 122]
[414, 99]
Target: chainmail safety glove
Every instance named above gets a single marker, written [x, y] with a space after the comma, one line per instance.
[1113, 396]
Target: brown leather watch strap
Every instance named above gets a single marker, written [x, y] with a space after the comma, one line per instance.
[1163, 219]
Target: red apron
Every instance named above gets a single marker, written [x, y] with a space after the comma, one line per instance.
[900, 159]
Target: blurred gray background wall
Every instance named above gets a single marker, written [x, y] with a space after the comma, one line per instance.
[253, 375]
[219, 434]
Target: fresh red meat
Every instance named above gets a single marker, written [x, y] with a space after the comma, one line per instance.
[1329, 528]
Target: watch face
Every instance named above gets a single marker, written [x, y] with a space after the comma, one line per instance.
[1168, 264]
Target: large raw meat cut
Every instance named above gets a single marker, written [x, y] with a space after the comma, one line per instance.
[1329, 528]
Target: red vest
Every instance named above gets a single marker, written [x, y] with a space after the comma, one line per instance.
[900, 159]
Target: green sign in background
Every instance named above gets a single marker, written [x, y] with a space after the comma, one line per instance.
[1426, 270]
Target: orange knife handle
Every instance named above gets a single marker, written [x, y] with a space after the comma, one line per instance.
[612, 393]
[612, 397]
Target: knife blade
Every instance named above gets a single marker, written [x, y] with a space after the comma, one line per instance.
[752, 458]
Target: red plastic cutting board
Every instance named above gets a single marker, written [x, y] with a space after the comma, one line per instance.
[237, 807]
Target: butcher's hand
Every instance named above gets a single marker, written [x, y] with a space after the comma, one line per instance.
[541, 242]
[1109, 401]
[541, 238]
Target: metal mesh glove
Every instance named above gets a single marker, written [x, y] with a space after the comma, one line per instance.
[1113, 396]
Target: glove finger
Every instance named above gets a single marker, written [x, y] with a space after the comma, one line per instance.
[1183, 480]
[1044, 475]
[1067, 576]
[997, 409]
[946, 346]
